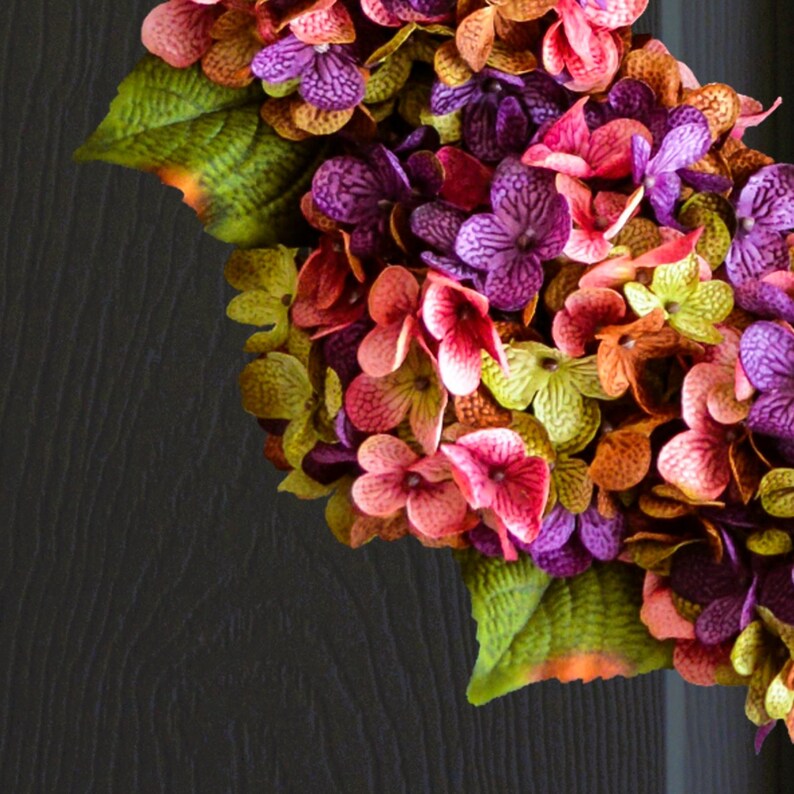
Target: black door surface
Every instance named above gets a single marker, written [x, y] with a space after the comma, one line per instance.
[168, 622]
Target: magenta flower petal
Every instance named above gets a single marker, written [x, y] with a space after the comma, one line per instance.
[437, 224]
[282, 61]
[567, 561]
[720, 620]
[768, 198]
[471, 473]
[334, 82]
[601, 536]
[767, 355]
[682, 147]
[772, 414]
[755, 253]
[524, 197]
[663, 196]
[483, 240]
[346, 189]
[512, 285]
[556, 529]
[771, 297]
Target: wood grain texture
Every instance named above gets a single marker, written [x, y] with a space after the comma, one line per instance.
[171, 624]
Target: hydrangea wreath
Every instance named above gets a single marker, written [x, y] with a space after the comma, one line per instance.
[519, 289]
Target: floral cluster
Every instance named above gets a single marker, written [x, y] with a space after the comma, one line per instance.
[545, 305]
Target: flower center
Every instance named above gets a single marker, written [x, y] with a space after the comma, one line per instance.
[643, 277]
[492, 86]
[321, 49]
[412, 480]
[286, 300]
[464, 312]
[421, 383]
[550, 364]
[355, 296]
[748, 224]
[649, 182]
[626, 342]
[498, 475]
[525, 241]
[731, 435]
[672, 307]
[385, 205]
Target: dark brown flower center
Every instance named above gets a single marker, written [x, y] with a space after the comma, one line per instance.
[627, 342]
[464, 312]
[498, 475]
[421, 383]
[525, 241]
[286, 300]
[672, 307]
[550, 364]
[412, 480]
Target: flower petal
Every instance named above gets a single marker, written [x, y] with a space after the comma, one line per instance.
[767, 356]
[380, 494]
[438, 510]
[697, 463]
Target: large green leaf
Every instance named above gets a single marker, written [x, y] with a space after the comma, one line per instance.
[243, 180]
[531, 627]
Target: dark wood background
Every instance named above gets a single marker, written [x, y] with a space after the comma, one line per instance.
[168, 622]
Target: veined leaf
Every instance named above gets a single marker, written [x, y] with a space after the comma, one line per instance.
[243, 180]
[531, 627]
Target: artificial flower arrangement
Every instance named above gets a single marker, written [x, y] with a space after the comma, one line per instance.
[521, 290]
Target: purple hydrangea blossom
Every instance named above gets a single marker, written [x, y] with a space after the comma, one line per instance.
[364, 192]
[437, 224]
[765, 212]
[770, 297]
[767, 356]
[326, 463]
[329, 74]
[530, 223]
[727, 590]
[663, 167]
[568, 543]
[418, 10]
[500, 111]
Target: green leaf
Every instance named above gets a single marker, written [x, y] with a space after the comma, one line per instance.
[531, 627]
[243, 180]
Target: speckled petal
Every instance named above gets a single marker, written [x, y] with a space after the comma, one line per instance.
[719, 621]
[511, 286]
[768, 198]
[380, 494]
[483, 242]
[333, 82]
[555, 531]
[438, 510]
[767, 356]
[570, 560]
[286, 59]
[697, 463]
[179, 31]
[346, 189]
[601, 536]
[772, 414]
